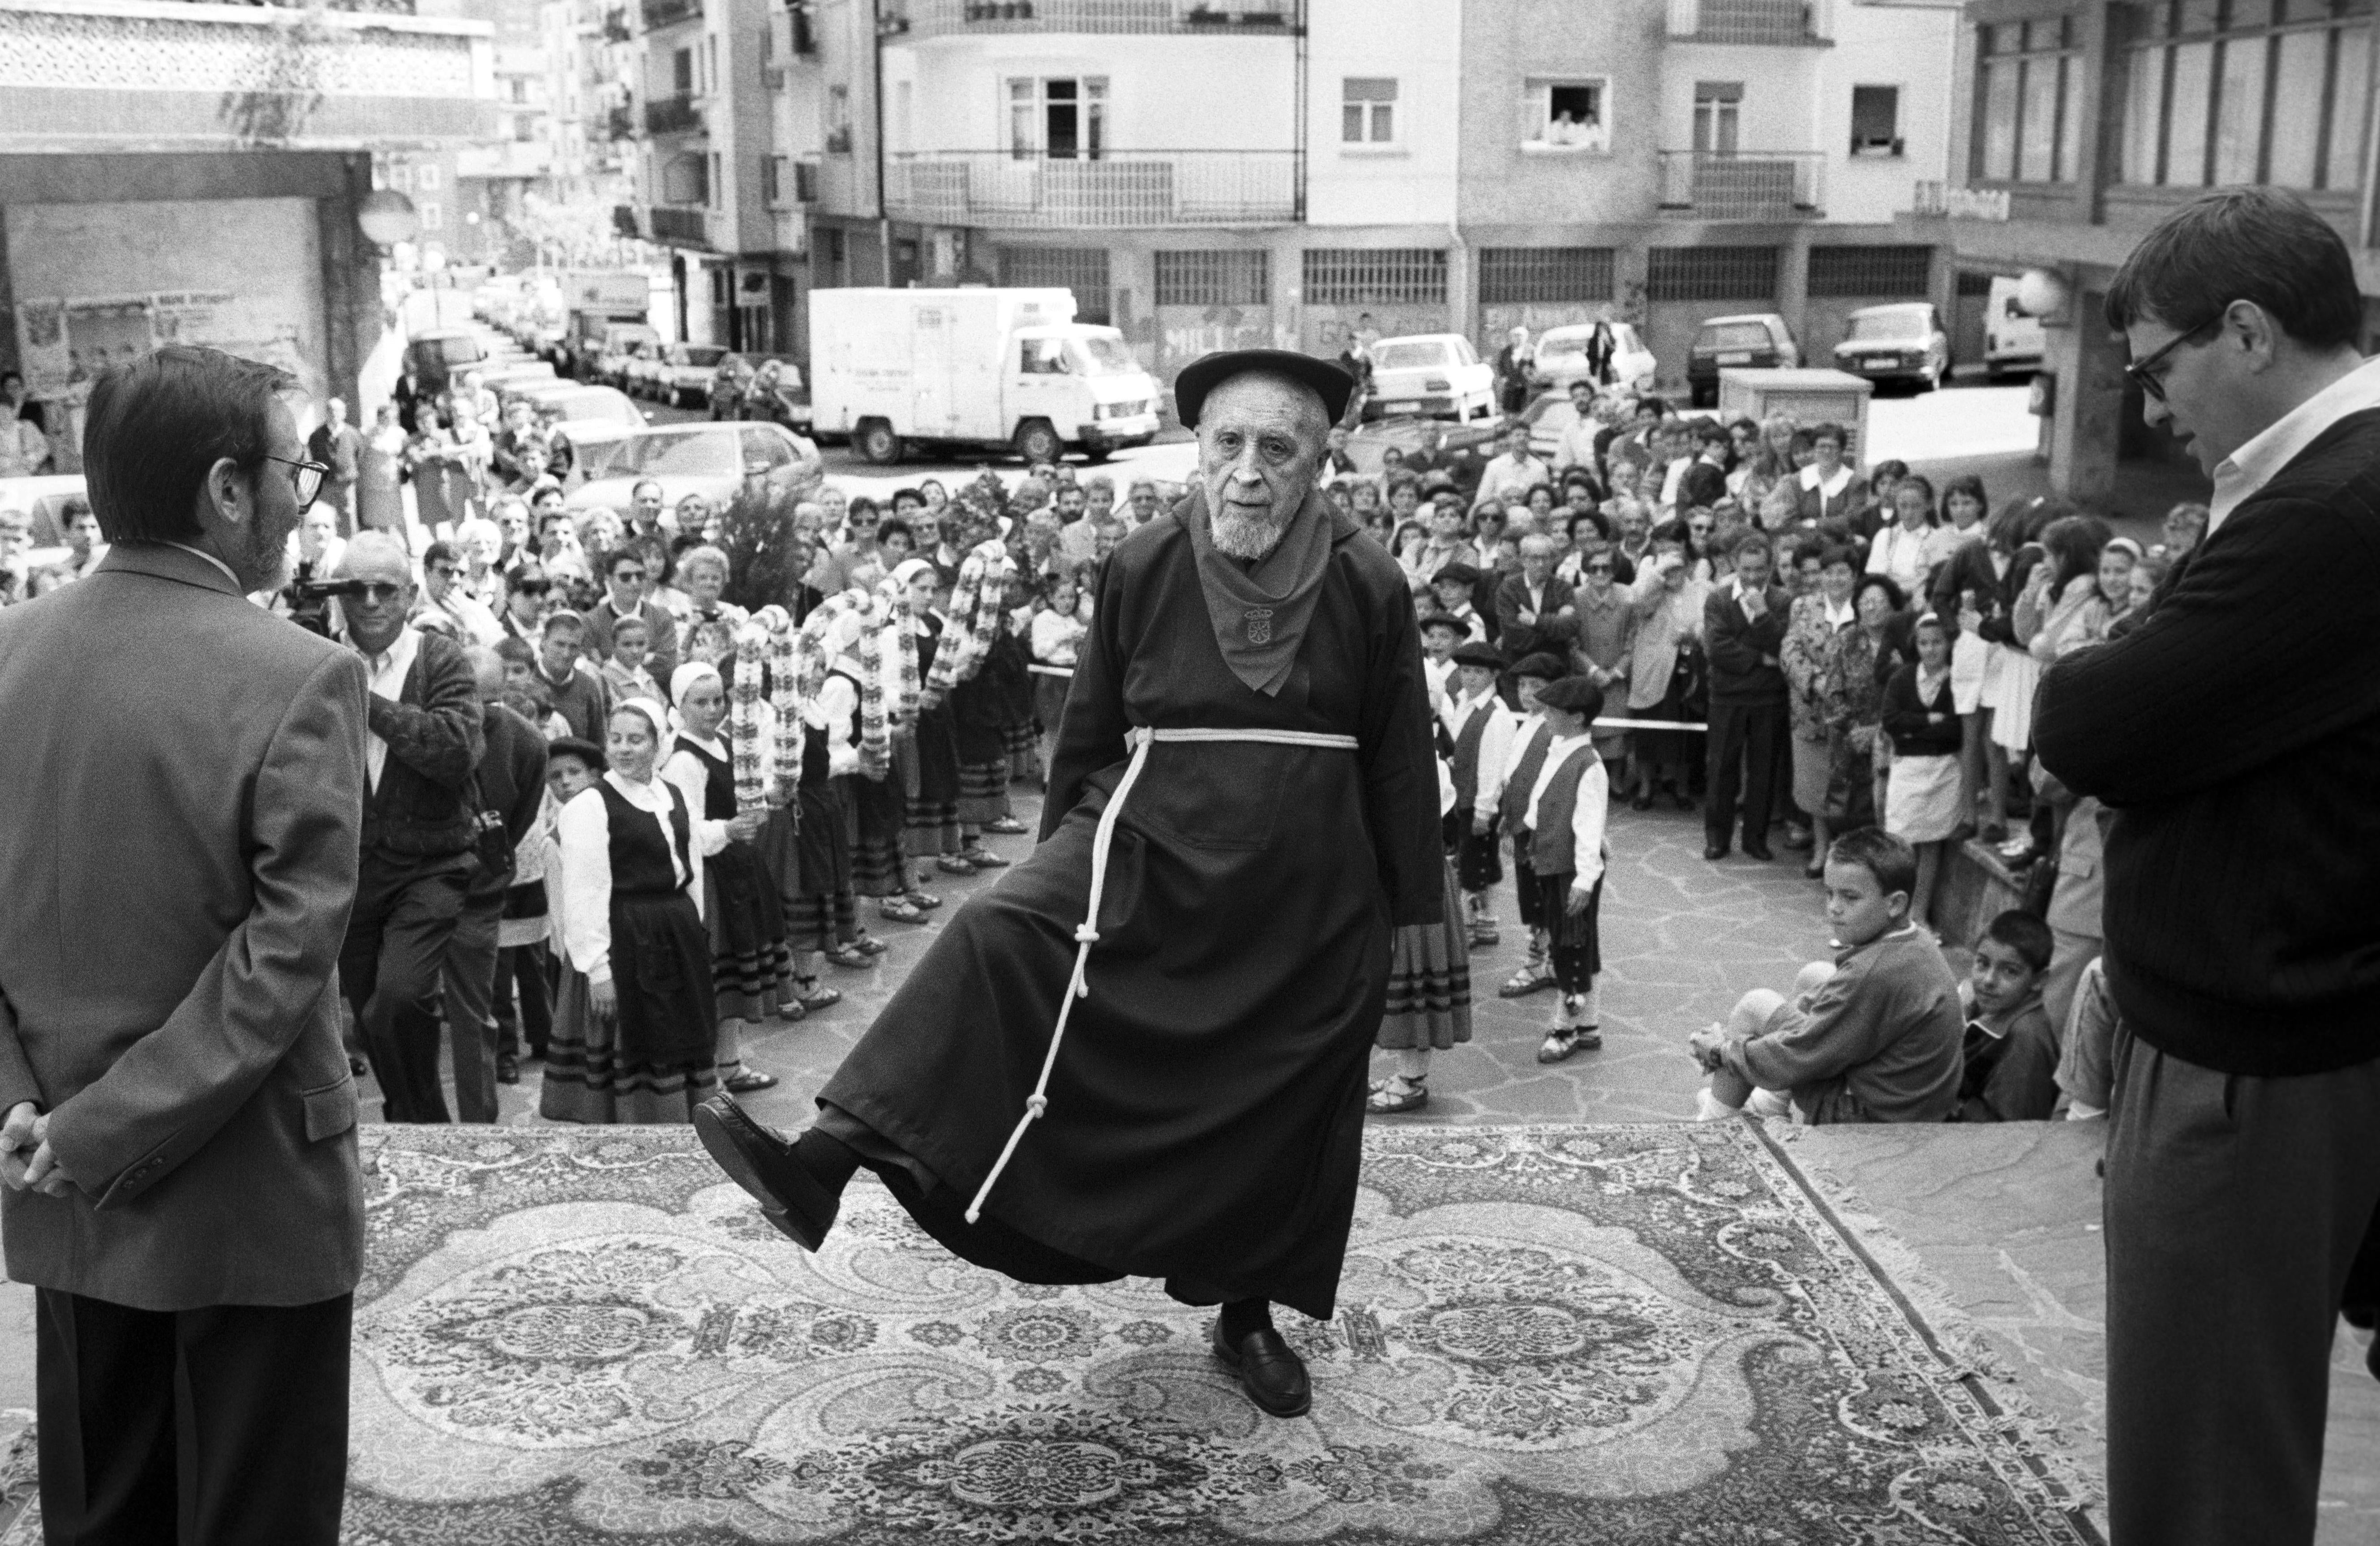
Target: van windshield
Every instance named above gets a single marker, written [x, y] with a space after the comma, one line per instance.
[1096, 354]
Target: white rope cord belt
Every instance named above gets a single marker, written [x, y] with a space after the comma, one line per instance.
[1140, 737]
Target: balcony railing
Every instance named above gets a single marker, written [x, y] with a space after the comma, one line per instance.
[666, 13]
[936, 18]
[685, 227]
[998, 190]
[673, 115]
[1779, 22]
[1747, 185]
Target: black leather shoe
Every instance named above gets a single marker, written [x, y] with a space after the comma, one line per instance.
[508, 1070]
[1716, 850]
[764, 1163]
[1273, 1376]
[1757, 850]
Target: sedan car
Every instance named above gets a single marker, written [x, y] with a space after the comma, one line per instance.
[1902, 343]
[575, 403]
[1754, 341]
[712, 460]
[1368, 447]
[1434, 375]
[682, 373]
[1560, 358]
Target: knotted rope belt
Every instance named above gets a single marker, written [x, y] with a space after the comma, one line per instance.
[1140, 737]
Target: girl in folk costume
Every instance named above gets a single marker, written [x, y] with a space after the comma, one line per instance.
[1512, 784]
[934, 807]
[572, 765]
[637, 1035]
[967, 668]
[826, 921]
[1429, 985]
[1564, 817]
[880, 864]
[751, 965]
[1482, 730]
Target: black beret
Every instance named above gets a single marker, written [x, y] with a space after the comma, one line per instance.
[1574, 693]
[1461, 573]
[571, 746]
[1206, 373]
[1544, 666]
[1479, 653]
[1445, 620]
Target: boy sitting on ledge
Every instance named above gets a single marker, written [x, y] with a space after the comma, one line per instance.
[1877, 1038]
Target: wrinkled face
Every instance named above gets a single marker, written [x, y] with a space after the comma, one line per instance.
[703, 582]
[1538, 560]
[374, 617]
[1875, 607]
[645, 504]
[1261, 441]
[2001, 978]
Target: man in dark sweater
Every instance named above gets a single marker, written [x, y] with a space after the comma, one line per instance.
[1744, 629]
[2236, 735]
[425, 740]
[508, 786]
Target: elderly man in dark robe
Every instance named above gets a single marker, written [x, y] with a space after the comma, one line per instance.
[1241, 807]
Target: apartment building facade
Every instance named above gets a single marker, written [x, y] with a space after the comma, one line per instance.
[2077, 126]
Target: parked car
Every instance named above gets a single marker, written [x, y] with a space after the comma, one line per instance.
[2011, 336]
[681, 372]
[437, 356]
[1368, 446]
[1434, 375]
[623, 345]
[1560, 358]
[1754, 341]
[1902, 341]
[575, 403]
[712, 460]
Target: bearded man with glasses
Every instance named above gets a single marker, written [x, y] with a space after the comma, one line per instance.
[2235, 733]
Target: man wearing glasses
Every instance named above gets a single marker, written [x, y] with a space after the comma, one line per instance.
[181, 791]
[2236, 735]
[627, 576]
[425, 741]
[445, 603]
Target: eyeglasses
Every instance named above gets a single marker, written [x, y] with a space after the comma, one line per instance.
[374, 592]
[621, 576]
[2143, 372]
[304, 477]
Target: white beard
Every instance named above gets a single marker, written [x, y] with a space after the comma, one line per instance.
[1244, 536]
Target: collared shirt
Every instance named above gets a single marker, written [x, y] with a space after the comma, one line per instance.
[1495, 743]
[1841, 617]
[388, 673]
[2251, 466]
[583, 850]
[1586, 817]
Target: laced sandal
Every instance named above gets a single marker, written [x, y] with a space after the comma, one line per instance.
[950, 863]
[851, 956]
[1534, 977]
[924, 901]
[983, 858]
[901, 910]
[750, 1080]
[1387, 1099]
[816, 998]
[867, 943]
[1007, 826]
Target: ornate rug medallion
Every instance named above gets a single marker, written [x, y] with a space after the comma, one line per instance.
[1546, 1334]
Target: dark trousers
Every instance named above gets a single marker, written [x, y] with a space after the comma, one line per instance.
[470, 996]
[389, 968]
[1745, 738]
[2235, 1207]
[217, 1427]
[524, 1003]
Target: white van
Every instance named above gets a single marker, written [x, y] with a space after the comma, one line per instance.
[2011, 339]
[973, 367]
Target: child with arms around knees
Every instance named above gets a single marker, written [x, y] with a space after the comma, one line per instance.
[2009, 1069]
[1878, 1040]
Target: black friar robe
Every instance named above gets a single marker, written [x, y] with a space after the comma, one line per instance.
[1205, 1116]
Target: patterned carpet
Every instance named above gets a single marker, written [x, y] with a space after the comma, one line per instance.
[1558, 1335]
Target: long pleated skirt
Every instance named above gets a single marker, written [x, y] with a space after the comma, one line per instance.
[653, 1061]
[751, 967]
[1429, 982]
[878, 816]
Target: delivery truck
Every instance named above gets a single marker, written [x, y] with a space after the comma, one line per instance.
[890, 369]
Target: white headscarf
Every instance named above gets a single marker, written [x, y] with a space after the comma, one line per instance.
[663, 729]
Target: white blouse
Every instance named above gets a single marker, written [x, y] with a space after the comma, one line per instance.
[584, 830]
[1586, 817]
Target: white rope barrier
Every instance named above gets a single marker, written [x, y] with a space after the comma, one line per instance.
[1140, 738]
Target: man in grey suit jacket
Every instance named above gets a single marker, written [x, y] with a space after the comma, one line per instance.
[180, 798]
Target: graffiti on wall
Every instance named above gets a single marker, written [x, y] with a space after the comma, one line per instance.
[1184, 333]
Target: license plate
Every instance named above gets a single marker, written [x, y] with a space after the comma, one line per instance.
[1739, 357]
[1402, 407]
